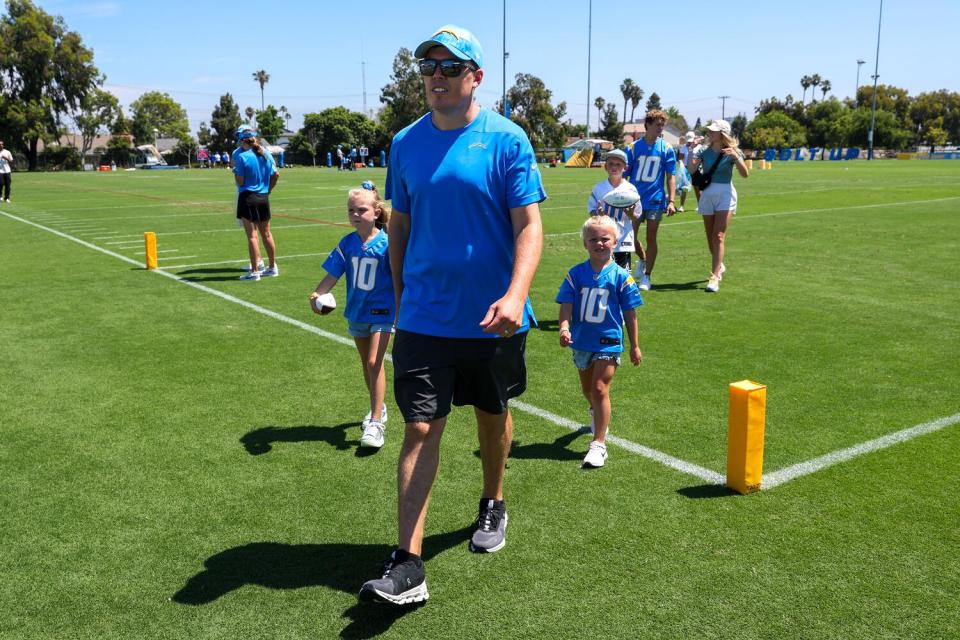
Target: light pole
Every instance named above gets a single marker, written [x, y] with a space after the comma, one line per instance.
[506, 54]
[876, 74]
[589, 46]
[857, 90]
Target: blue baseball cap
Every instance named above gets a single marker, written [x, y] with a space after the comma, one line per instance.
[457, 40]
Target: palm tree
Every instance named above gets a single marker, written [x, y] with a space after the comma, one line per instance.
[599, 103]
[635, 97]
[263, 78]
[285, 115]
[249, 112]
[825, 87]
[815, 81]
[805, 82]
[626, 90]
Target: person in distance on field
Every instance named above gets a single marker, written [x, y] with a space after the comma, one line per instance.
[6, 168]
[652, 167]
[465, 241]
[371, 306]
[615, 164]
[255, 175]
[595, 298]
[718, 202]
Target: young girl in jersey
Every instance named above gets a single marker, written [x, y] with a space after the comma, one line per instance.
[371, 305]
[596, 297]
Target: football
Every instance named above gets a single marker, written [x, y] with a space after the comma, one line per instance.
[325, 303]
[622, 197]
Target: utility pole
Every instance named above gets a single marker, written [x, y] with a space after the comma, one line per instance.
[589, 46]
[723, 107]
[506, 54]
[855, 91]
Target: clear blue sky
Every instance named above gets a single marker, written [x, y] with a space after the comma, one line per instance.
[689, 52]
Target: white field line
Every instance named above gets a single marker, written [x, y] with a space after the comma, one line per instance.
[246, 261]
[787, 474]
[175, 257]
[769, 481]
[789, 213]
[662, 458]
[143, 253]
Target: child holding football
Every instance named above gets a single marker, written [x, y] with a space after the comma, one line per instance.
[371, 305]
[596, 298]
[615, 165]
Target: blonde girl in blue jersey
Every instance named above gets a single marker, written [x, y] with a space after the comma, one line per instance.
[371, 308]
[596, 298]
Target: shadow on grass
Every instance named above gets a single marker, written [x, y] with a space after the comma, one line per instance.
[340, 566]
[693, 285]
[707, 491]
[550, 326]
[556, 450]
[211, 275]
[260, 441]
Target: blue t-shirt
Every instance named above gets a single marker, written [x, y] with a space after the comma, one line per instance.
[458, 188]
[648, 165]
[599, 301]
[256, 170]
[723, 174]
[370, 297]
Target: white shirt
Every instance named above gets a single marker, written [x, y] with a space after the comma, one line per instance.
[6, 161]
[595, 201]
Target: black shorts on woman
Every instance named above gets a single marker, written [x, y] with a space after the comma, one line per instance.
[253, 206]
[431, 372]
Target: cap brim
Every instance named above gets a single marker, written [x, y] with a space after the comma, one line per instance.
[424, 47]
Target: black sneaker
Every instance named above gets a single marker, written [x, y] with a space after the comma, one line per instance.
[403, 581]
[491, 533]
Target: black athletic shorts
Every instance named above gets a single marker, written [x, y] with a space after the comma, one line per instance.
[430, 373]
[253, 206]
[622, 258]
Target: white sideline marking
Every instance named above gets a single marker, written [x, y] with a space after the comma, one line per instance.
[786, 213]
[787, 474]
[769, 481]
[175, 257]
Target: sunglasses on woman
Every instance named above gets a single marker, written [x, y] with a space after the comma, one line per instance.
[448, 68]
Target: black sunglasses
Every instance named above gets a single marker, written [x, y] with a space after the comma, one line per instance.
[448, 68]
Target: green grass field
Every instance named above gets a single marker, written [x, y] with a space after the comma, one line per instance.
[178, 465]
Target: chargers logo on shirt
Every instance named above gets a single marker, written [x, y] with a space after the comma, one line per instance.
[477, 145]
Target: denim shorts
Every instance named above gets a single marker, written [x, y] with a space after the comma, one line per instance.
[365, 329]
[583, 360]
[652, 214]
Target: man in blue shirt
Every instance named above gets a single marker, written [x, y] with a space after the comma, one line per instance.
[465, 241]
[650, 160]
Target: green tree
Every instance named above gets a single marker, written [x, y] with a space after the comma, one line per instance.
[829, 124]
[805, 82]
[936, 110]
[249, 113]
[98, 111]
[261, 77]
[774, 129]
[611, 128]
[599, 103]
[825, 87]
[626, 90]
[531, 109]
[224, 120]
[270, 123]
[889, 98]
[339, 125]
[889, 133]
[653, 102]
[738, 125]
[636, 95]
[677, 120]
[204, 135]
[158, 111]
[120, 125]
[45, 73]
[403, 98]
[815, 81]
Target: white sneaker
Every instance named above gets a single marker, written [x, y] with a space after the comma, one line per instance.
[271, 272]
[713, 285]
[640, 269]
[722, 269]
[596, 456]
[372, 435]
[260, 267]
[367, 419]
[680, 210]
[645, 283]
[251, 275]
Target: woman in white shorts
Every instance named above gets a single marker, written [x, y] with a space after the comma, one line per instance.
[718, 202]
